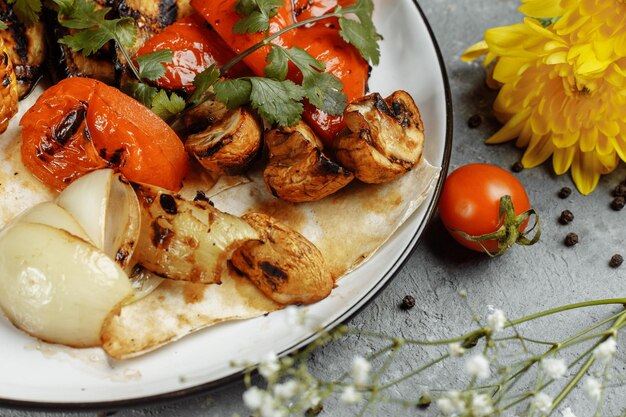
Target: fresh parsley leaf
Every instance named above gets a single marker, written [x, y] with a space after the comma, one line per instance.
[257, 15]
[233, 93]
[141, 92]
[95, 29]
[361, 32]
[3, 26]
[151, 65]
[166, 107]
[203, 81]
[27, 11]
[278, 64]
[323, 90]
[277, 101]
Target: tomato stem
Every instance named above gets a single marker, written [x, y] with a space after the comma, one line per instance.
[511, 230]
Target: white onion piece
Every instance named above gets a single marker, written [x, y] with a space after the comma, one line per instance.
[56, 286]
[107, 208]
[53, 215]
[143, 283]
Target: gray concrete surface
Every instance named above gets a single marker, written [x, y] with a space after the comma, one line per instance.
[524, 281]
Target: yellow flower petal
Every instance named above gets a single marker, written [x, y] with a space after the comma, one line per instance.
[537, 152]
[585, 172]
[475, 51]
[562, 159]
[541, 8]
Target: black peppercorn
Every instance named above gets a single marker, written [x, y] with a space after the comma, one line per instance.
[314, 411]
[618, 203]
[408, 303]
[566, 217]
[619, 191]
[571, 239]
[517, 167]
[565, 192]
[475, 121]
[616, 261]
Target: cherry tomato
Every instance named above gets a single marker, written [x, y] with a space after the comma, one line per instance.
[223, 17]
[470, 202]
[194, 46]
[80, 125]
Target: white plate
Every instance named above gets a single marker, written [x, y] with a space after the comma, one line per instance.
[36, 375]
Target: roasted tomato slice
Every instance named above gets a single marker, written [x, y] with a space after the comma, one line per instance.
[135, 140]
[80, 125]
[323, 42]
[56, 145]
[195, 46]
[223, 17]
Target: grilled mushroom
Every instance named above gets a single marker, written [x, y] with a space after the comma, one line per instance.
[229, 146]
[385, 137]
[204, 115]
[283, 264]
[297, 170]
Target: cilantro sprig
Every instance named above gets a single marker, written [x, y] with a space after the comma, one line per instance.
[27, 11]
[257, 15]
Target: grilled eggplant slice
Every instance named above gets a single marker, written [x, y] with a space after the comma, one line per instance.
[26, 48]
[8, 89]
[229, 146]
[385, 138]
[283, 264]
[297, 170]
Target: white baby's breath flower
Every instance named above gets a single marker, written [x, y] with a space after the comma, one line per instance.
[296, 316]
[593, 388]
[567, 412]
[478, 366]
[350, 395]
[542, 402]
[554, 368]
[496, 321]
[360, 370]
[452, 404]
[482, 405]
[269, 365]
[272, 408]
[456, 350]
[287, 389]
[253, 398]
[605, 351]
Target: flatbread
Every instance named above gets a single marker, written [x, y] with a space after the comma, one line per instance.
[348, 227]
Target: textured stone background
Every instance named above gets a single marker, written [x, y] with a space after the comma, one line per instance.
[524, 281]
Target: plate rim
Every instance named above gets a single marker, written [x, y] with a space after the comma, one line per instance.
[222, 383]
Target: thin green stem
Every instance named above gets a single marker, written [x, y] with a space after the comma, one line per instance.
[413, 373]
[595, 303]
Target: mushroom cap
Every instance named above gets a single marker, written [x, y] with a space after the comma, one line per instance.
[282, 263]
[297, 169]
[228, 146]
[384, 138]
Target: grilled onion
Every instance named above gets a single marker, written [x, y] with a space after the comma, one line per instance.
[56, 286]
[184, 240]
[107, 208]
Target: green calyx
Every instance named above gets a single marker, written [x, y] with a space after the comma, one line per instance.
[510, 232]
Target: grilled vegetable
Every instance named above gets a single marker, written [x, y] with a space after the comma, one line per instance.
[151, 17]
[26, 47]
[204, 115]
[55, 285]
[8, 89]
[385, 140]
[183, 240]
[81, 124]
[228, 147]
[283, 264]
[297, 170]
[343, 60]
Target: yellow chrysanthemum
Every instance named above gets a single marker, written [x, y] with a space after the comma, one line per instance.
[563, 87]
